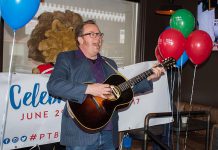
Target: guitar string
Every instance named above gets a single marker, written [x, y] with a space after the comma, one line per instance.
[125, 85]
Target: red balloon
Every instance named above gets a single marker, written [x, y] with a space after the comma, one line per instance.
[158, 55]
[171, 43]
[198, 46]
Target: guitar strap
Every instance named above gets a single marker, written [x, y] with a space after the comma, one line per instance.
[119, 73]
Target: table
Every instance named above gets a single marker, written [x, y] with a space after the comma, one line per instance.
[192, 125]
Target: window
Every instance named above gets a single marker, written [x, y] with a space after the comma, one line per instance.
[116, 19]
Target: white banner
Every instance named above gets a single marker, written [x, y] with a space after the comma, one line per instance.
[35, 118]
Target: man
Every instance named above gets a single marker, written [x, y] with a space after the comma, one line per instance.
[75, 68]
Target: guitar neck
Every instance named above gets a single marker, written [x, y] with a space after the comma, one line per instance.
[133, 81]
[169, 62]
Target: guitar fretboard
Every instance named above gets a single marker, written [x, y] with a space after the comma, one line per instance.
[133, 81]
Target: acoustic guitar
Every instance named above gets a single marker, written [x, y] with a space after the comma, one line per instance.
[95, 112]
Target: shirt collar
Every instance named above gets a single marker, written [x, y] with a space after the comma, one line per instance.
[79, 54]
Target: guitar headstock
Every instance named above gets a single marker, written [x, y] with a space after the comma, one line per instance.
[168, 63]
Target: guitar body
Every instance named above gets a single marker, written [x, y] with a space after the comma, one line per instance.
[94, 113]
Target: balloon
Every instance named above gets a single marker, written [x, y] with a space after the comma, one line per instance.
[171, 43]
[183, 20]
[198, 46]
[158, 55]
[0, 8]
[168, 27]
[182, 60]
[17, 13]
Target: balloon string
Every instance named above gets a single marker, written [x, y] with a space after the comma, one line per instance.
[7, 96]
[179, 87]
[190, 106]
[193, 86]
[172, 85]
[179, 93]
[172, 81]
[172, 89]
[178, 96]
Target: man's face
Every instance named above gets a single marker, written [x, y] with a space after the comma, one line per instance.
[91, 40]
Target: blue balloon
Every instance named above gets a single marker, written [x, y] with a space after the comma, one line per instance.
[0, 8]
[168, 27]
[182, 60]
[17, 13]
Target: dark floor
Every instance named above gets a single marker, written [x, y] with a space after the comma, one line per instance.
[137, 145]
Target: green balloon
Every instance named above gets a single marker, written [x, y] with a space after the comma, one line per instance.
[183, 20]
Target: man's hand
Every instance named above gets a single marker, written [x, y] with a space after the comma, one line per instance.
[99, 89]
[157, 72]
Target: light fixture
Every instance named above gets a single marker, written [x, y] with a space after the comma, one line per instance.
[168, 9]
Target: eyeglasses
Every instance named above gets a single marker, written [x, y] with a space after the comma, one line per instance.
[94, 35]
